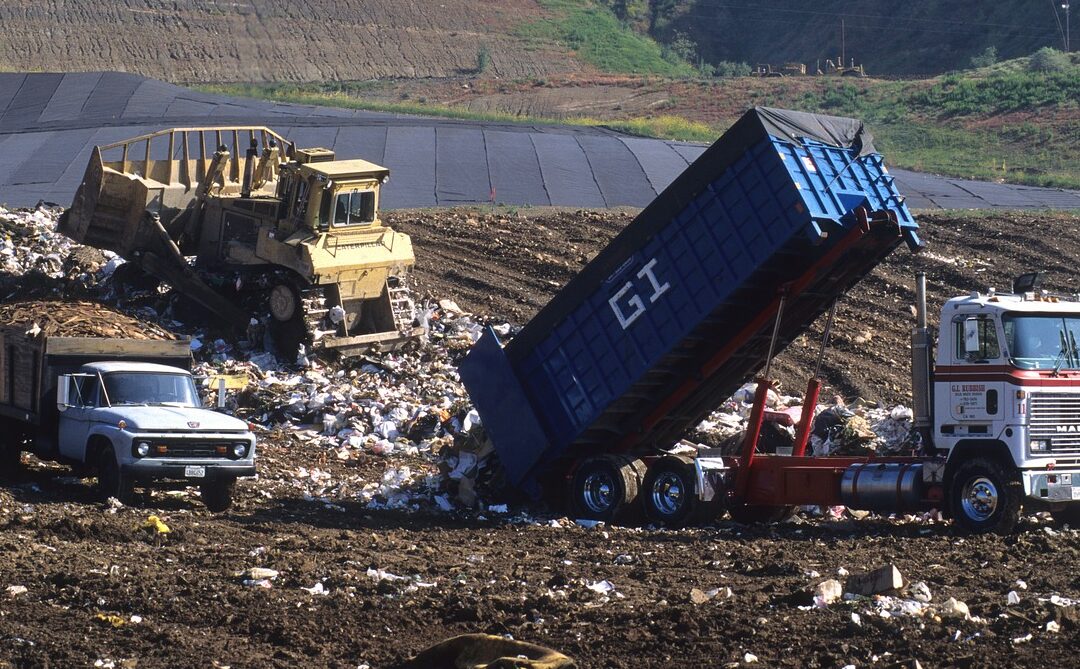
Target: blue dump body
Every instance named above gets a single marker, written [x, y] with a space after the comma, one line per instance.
[677, 312]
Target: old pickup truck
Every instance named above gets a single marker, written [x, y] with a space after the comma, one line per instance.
[126, 409]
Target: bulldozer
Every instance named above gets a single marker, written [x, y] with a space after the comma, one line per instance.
[256, 231]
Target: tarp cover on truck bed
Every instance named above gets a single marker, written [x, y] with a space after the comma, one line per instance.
[676, 312]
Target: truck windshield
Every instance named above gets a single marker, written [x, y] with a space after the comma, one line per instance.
[1043, 341]
[151, 388]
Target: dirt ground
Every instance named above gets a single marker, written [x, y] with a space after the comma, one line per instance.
[102, 590]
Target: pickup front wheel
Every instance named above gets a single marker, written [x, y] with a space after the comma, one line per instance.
[217, 495]
[984, 498]
[111, 482]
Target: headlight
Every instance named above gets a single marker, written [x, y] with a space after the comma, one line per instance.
[1039, 445]
[142, 449]
[240, 449]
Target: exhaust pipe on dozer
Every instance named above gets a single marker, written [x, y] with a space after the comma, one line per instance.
[921, 389]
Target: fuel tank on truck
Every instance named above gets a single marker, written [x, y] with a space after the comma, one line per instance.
[673, 315]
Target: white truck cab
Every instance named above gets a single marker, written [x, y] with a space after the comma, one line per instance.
[1006, 403]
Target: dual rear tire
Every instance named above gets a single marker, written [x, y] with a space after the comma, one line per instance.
[605, 488]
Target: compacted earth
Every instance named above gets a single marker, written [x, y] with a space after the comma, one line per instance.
[305, 571]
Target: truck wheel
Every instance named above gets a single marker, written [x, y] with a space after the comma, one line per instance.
[604, 488]
[1070, 515]
[668, 491]
[217, 495]
[757, 513]
[111, 482]
[984, 498]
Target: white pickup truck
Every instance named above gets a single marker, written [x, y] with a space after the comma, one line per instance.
[127, 409]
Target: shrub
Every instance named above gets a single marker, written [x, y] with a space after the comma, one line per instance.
[729, 69]
[1048, 59]
[985, 59]
[483, 59]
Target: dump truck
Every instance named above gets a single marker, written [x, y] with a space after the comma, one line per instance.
[289, 236]
[127, 409]
[754, 242]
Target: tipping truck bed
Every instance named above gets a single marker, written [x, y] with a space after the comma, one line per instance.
[677, 312]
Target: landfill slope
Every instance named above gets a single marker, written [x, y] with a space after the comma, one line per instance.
[279, 40]
[362, 541]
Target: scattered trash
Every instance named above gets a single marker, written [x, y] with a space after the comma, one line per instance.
[919, 591]
[156, 525]
[956, 609]
[16, 590]
[475, 651]
[258, 577]
[111, 619]
[601, 587]
[317, 589]
[827, 592]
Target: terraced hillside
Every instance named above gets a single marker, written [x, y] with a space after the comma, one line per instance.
[278, 40]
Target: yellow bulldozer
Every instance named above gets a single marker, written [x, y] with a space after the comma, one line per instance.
[255, 230]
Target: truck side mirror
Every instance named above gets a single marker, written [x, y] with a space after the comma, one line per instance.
[971, 335]
[63, 390]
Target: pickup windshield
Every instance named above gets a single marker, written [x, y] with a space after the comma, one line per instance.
[151, 388]
[1043, 341]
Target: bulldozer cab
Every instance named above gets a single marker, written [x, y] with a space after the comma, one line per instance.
[321, 195]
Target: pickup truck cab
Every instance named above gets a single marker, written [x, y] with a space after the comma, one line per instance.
[140, 422]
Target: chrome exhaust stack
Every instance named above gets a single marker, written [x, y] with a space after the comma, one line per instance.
[921, 390]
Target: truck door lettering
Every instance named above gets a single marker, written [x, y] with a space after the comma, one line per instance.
[635, 300]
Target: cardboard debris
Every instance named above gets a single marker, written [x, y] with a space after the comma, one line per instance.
[879, 581]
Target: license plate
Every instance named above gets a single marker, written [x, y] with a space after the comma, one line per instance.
[195, 472]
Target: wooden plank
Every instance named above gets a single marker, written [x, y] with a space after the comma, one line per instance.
[118, 348]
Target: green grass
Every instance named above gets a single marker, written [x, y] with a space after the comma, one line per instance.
[595, 36]
[342, 95]
[955, 95]
[921, 128]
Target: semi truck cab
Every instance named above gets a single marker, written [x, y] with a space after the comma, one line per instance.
[1006, 389]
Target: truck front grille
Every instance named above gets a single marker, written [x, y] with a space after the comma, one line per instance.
[1056, 416]
[176, 448]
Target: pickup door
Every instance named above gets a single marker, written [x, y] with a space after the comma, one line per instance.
[75, 420]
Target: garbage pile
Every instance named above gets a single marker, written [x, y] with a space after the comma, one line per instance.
[839, 429]
[30, 246]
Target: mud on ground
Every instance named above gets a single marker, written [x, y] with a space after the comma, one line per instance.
[101, 590]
